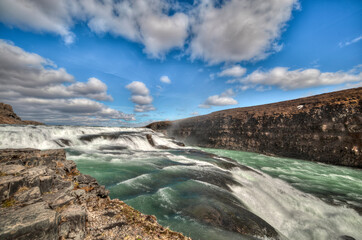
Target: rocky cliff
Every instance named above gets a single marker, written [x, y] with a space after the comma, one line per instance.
[325, 128]
[7, 116]
[44, 196]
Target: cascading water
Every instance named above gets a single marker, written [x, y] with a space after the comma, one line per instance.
[203, 195]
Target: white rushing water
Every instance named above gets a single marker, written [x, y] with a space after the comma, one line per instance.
[50, 137]
[294, 213]
[132, 168]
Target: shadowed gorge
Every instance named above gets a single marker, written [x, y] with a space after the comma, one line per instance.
[325, 128]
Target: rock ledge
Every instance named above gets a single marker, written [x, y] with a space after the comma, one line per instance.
[44, 196]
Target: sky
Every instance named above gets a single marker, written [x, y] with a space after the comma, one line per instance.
[132, 62]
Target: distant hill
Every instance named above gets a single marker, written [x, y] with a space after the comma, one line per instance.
[7, 116]
[325, 128]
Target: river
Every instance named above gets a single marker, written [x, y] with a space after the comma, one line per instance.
[204, 193]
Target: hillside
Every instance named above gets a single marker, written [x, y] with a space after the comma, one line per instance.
[325, 128]
[7, 116]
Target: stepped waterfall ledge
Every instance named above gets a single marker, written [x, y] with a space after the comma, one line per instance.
[203, 193]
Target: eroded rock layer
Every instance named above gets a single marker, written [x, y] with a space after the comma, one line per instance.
[44, 196]
[325, 128]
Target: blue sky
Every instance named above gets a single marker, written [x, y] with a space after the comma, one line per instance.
[101, 62]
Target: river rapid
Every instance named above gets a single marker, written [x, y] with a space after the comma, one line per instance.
[206, 193]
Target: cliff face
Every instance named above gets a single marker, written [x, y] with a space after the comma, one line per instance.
[44, 196]
[7, 116]
[325, 128]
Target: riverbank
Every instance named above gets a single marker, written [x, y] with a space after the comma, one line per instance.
[44, 196]
[324, 128]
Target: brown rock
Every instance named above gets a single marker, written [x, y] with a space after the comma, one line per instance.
[325, 128]
[41, 199]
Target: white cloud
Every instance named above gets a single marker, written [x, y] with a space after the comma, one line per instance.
[239, 30]
[38, 90]
[138, 88]
[141, 97]
[18, 67]
[165, 79]
[142, 100]
[144, 21]
[41, 16]
[223, 99]
[144, 108]
[194, 113]
[301, 78]
[162, 33]
[94, 88]
[234, 71]
[355, 40]
[233, 31]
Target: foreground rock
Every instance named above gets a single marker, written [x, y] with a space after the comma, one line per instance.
[7, 116]
[325, 128]
[44, 196]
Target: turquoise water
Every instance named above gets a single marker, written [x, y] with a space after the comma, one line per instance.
[173, 184]
[206, 193]
[169, 186]
[334, 184]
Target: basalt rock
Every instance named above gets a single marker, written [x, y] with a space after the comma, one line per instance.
[7, 116]
[325, 128]
[44, 196]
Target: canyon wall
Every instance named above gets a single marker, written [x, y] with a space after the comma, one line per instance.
[7, 116]
[325, 128]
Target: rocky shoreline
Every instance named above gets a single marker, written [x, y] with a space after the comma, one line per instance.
[325, 128]
[44, 196]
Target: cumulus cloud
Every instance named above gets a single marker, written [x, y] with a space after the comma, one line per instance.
[223, 99]
[234, 30]
[41, 16]
[94, 88]
[140, 95]
[18, 67]
[234, 71]
[165, 79]
[138, 88]
[37, 89]
[239, 30]
[301, 78]
[144, 21]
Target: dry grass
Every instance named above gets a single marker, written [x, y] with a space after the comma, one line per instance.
[8, 203]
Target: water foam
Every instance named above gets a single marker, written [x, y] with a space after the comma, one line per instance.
[50, 137]
[296, 214]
